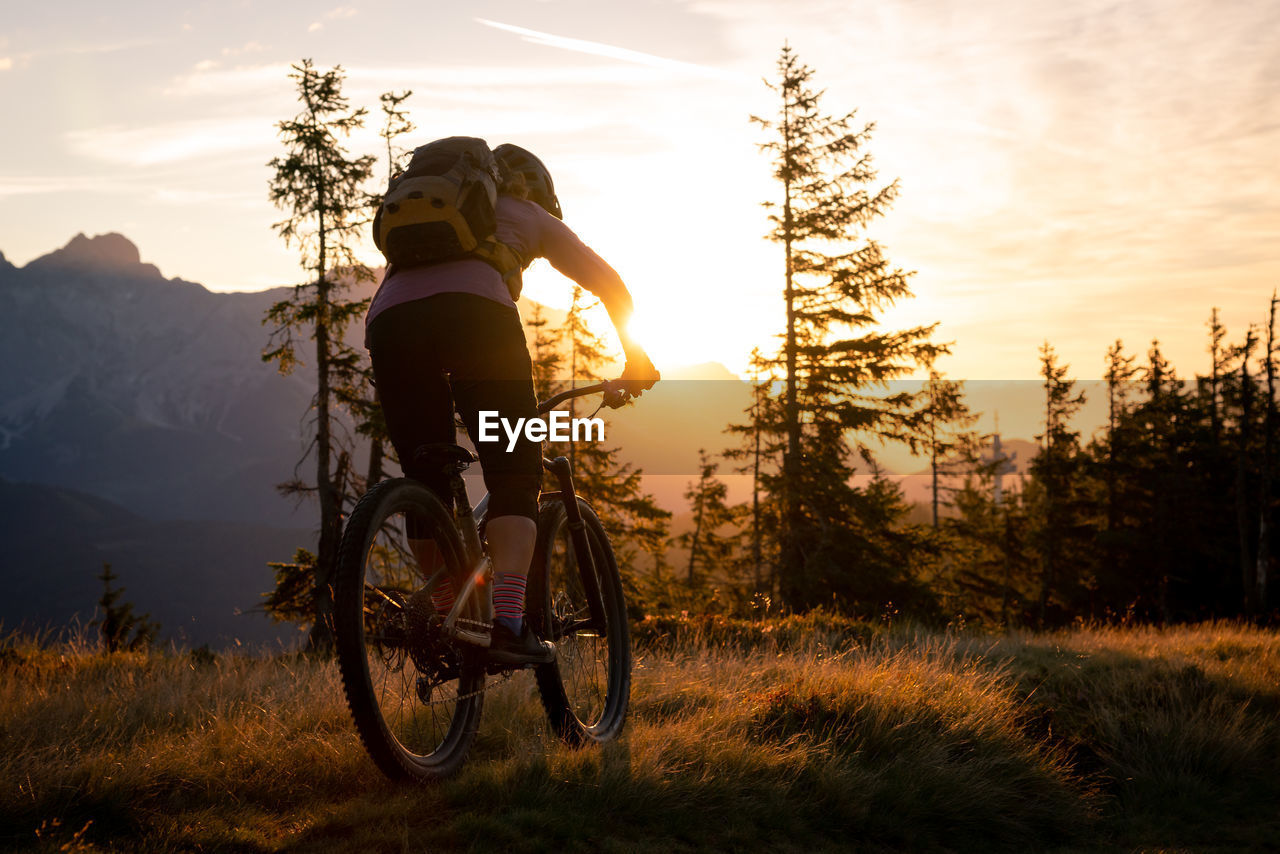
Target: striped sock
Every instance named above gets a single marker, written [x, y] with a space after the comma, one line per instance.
[442, 597]
[508, 599]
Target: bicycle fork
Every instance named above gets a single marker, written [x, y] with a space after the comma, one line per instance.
[578, 535]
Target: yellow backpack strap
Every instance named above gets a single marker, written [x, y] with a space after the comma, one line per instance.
[506, 261]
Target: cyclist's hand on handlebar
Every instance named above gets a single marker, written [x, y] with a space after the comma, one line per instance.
[639, 374]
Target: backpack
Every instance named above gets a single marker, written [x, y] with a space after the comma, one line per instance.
[442, 208]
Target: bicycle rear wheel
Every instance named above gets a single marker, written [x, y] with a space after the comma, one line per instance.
[586, 690]
[415, 695]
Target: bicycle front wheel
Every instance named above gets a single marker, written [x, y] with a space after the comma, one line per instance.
[587, 688]
[415, 695]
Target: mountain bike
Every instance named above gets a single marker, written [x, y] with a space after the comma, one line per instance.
[414, 678]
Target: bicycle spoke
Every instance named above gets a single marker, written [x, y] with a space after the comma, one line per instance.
[415, 702]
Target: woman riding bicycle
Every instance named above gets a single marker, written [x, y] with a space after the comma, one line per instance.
[448, 336]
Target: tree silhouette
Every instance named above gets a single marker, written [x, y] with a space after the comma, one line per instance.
[319, 186]
[711, 547]
[1053, 467]
[944, 423]
[119, 627]
[290, 599]
[761, 445]
[370, 421]
[833, 360]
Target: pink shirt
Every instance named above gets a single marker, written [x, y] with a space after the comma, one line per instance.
[526, 228]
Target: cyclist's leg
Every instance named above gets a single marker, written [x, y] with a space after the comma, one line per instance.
[490, 371]
[417, 405]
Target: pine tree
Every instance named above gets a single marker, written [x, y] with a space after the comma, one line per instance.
[1168, 484]
[291, 598]
[319, 186]
[992, 578]
[1244, 449]
[545, 354]
[836, 282]
[944, 428]
[1262, 566]
[761, 447]
[120, 628]
[1115, 457]
[714, 540]
[1217, 367]
[395, 124]
[368, 413]
[1054, 468]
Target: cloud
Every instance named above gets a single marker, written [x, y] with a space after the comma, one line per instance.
[460, 82]
[149, 146]
[146, 188]
[185, 197]
[33, 185]
[248, 47]
[337, 14]
[6, 63]
[246, 80]
[610, 51]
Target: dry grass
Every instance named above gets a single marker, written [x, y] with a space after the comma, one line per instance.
[827, 738]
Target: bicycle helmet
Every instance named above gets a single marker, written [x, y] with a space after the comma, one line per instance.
[536, 177]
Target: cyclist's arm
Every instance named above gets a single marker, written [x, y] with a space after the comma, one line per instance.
[569, 255]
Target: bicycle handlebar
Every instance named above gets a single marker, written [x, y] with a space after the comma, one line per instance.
[614, 395]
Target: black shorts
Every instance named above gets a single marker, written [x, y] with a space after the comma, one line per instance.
[458, 350]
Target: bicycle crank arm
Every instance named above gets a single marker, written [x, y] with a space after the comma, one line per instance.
[470, 636]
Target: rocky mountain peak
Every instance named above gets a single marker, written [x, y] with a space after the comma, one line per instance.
[110, 252]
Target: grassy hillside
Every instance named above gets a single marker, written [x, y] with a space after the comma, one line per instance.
[797, 736]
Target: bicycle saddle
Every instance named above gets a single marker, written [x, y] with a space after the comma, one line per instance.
[440, 454]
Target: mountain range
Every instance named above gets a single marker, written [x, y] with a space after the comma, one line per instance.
[139, 426]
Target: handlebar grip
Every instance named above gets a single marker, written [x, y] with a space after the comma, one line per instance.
[616, 395]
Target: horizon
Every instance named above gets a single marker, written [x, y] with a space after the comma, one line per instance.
[1010, 408]
[1057, 166]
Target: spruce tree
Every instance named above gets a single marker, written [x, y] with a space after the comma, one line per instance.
[119, 627]
[1262, 566]
[292, 596]
[395, 124]
[944, 429]
[544, 353]
[370, 422]
[1244, 475]
[1116, 456]
[320, 188]
[1054, 468]
[1218, 355]
[713, 542]
[761, 442]
[834, 364]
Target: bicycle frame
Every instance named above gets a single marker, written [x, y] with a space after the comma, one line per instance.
[480, 573]
[469, 522]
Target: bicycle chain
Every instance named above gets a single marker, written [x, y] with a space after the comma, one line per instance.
[486, 685]
[476, 693]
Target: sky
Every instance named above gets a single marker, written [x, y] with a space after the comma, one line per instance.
[1071, 172]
